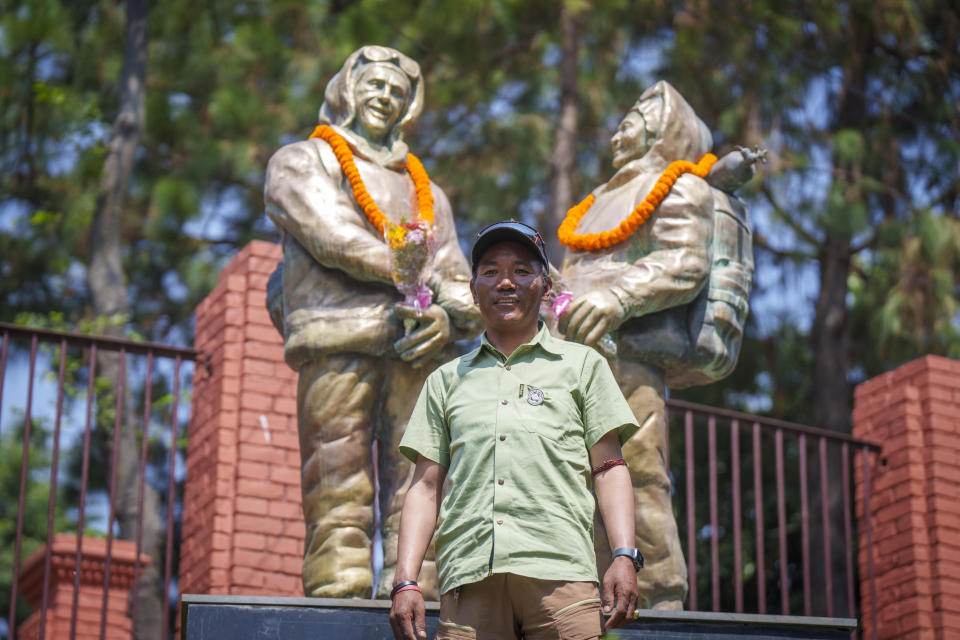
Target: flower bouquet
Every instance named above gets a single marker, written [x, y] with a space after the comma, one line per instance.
[412, 248]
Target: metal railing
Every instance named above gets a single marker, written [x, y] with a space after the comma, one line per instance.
[141, 365]
[756, 506]
[745, 451]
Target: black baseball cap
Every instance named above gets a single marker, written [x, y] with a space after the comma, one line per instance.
[508, 231]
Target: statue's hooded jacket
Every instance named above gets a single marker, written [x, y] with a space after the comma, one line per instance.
[664, 265]
[337, 292]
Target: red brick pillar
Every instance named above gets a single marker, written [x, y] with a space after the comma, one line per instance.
[243, 525]
[63, 561]
[914, 411]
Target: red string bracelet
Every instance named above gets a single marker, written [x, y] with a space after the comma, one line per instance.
[609, 464]
[400, 585]
[409, 587]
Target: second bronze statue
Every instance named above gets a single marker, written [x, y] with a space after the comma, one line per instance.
[673, 294]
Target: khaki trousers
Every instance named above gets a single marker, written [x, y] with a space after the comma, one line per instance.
[345, 401]
[506, 605]
[663, 580]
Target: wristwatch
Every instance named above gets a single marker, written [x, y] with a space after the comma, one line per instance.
[630, 552]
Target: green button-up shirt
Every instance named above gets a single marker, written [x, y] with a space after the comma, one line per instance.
[514, 434]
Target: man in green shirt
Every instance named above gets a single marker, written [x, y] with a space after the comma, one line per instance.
[517, 432]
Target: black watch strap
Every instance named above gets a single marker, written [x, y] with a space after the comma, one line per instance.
[630, 552]
[401, 585]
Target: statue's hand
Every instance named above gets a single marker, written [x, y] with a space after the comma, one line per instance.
[591, 316]
[430, 336]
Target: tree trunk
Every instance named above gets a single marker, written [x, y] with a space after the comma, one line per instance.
[563, 155]
[831, 338]
[831, 327]
[106, 282]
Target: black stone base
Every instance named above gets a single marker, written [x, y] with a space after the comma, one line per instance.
[243, 617]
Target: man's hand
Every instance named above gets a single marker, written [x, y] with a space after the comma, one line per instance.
[418, 519]
[620, 586]
[408, 616]
[591, 316]
[432, 334]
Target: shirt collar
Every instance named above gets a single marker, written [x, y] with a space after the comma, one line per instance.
[542, 339]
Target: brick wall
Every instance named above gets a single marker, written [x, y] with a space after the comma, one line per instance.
[243, 525]
[60, 589]
[914, 412]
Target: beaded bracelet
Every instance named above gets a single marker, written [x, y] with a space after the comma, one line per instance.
[403, 584]
[608, 464]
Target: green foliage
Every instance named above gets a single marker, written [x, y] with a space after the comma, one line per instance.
[848, 146]
[911, 301]
[36, 502]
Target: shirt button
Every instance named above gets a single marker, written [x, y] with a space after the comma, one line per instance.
[503, 437]
[508, 367]
[500, 481]
[503, 402]
[499, 521]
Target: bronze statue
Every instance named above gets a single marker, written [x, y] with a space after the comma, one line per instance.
[672, 294]
[336, 305]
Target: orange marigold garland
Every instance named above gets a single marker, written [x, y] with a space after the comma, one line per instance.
[596, 241]
[421, 181]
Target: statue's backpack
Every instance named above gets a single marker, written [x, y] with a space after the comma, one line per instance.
[716, 317]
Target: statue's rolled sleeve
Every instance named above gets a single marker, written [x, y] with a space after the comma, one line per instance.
[677, 268]
[305, 201]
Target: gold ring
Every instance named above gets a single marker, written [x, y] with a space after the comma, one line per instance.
[636, 614]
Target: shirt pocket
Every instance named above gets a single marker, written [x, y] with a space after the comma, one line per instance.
[556, 418]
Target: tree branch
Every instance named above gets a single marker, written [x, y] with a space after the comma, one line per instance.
[786, 218]
[870, 242]
[796, 256]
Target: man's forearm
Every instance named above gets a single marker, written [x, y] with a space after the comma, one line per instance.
[615, 499]
[418, 519]
[614, 491]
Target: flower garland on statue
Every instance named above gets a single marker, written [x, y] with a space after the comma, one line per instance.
[421, 181]
[597, 241]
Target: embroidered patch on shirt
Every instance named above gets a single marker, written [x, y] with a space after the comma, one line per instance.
[534, 396]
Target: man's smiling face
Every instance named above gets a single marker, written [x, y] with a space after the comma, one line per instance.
[509, 285]
[381, 95]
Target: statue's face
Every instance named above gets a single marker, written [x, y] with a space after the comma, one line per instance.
[381, 94]
[636, 133]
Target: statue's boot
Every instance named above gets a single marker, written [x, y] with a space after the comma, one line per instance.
[336, 400]
[396, 473]
[663, 581]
